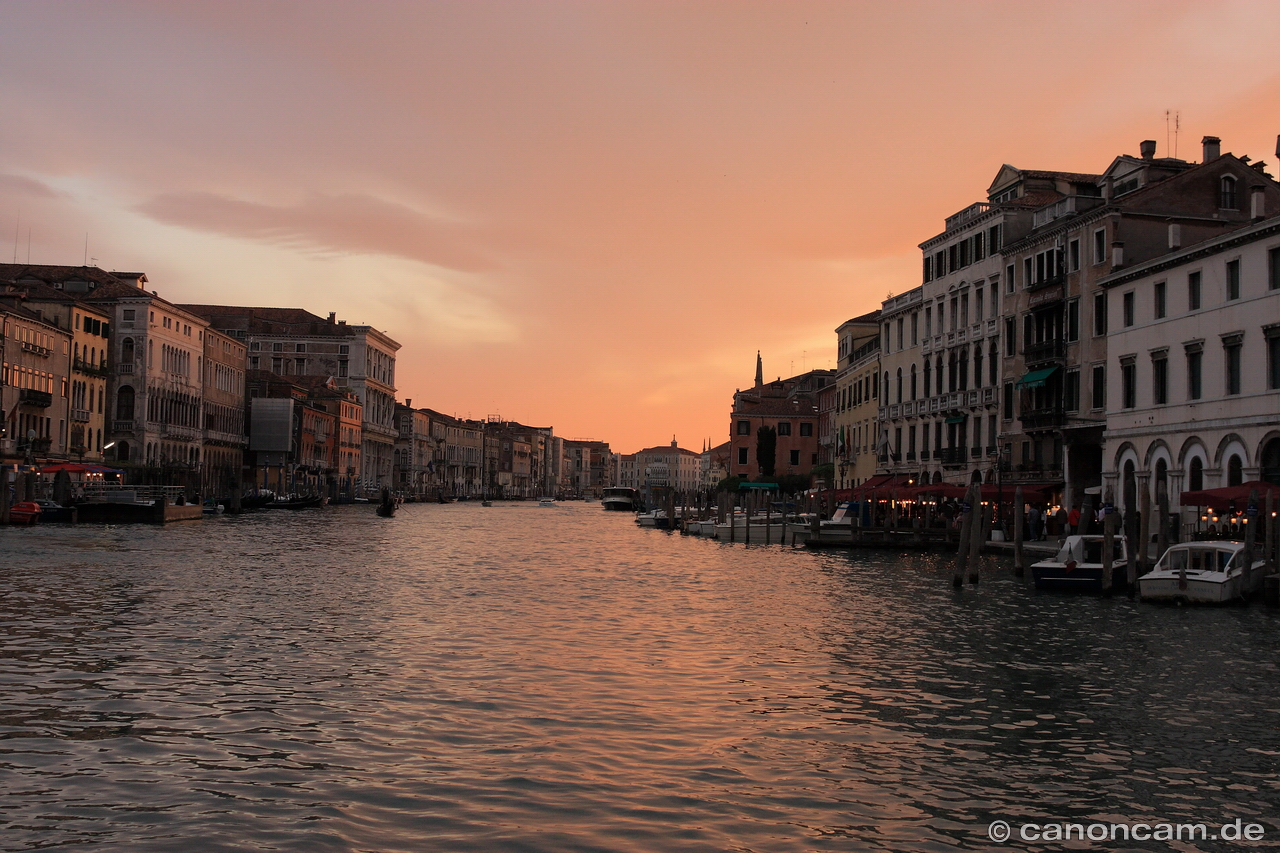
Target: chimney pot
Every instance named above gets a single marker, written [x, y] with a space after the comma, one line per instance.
[1117, 254]
[1258, 201]
[1175, 235]
[1148, 147]
[333, 315]
[1212, 148]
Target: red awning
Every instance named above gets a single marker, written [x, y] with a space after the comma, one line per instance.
[934, 490]
[1221, 499]
[1040, 491]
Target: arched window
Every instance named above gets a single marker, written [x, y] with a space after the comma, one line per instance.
[899, 385]
[1227, 193]
[1271, 461]
[885, 395]
[124, 403]
[993, 362]
[1130, 486]
[1235, 470]
[126, 351]
[927, 369]
[963, 370]
[122, 451]
[1196, 478]
[913, 382]
[977, 366]
[938, 375]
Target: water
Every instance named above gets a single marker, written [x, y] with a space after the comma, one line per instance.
[518, 678]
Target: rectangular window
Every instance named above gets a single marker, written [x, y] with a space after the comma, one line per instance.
[993, 238]
[915, 328]
[1099, 245]
[1008, 401]
[977, 305]
[1099, 386]
[795, 457]
[1127, 300]
[1128, 384]
[128, 315]
[1099, 314]
[1008, 336]
[1008, 279]
[1159, 378]
[300, 348]
[1273, 359]
[901, 326]
[300, 366]
[744, 427]
[1195, 364]
[1158, 298]
[1071, 391]
[742, 456]
[806, 430]
[1231, 350]
[1273, 269]
[1193, 291]
[1073, 320]
[1026, 272]
[1073, 255]
[784, 428]
[1233, 280]
[342, 367]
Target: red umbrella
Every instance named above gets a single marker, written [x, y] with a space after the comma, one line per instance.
[1221, 499]
[78, 468]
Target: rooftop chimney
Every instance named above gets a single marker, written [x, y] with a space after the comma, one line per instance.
[1148, 147]
[333, 315]
[408, 404]
[1117, 254]
[1175, 235]
[1258, 201]
[1212, 148]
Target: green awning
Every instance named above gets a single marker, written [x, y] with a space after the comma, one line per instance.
[757, 485]
[1036, 378]
[956, 419]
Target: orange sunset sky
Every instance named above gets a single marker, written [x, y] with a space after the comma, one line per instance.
[586, 215]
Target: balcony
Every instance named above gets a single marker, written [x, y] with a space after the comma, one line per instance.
[952, 455]
[1054, 350]
[31, 397]
[1046, 418]
[27, 346]
[127, 367]
[80, 416]
[122, 426]
[89, 368]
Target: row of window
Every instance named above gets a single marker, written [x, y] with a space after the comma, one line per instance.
[792, 459]
[944, 377]
[783, 427]
[962, 253]
[959, 316]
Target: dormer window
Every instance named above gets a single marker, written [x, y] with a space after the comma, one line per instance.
[1227, 193]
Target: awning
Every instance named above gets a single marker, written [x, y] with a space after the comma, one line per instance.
[956, 419]
[1036, 378]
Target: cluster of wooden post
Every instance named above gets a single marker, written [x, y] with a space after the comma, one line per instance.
[974, 524]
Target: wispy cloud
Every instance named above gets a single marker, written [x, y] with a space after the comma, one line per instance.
[326, 224]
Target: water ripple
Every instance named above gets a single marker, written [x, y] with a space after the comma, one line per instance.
[515, 678]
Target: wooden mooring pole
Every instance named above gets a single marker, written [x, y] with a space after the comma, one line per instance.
[1019, 567]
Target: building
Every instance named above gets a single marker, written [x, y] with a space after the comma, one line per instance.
[90, 330]
[667, 467]
[35, 408]
[226, 437]
[1192, 398]
[789, 407]
[1056, 335]
[855, 413]
[295, 342]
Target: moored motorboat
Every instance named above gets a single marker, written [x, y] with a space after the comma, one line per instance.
[1078, 565]
[24, 512]
[54, 511]
[1202, 572]
[306, 502]
[620, 499]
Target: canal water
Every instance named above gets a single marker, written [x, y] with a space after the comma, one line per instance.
[462, 678]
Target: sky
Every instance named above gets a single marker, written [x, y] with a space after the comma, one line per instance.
[584, 215]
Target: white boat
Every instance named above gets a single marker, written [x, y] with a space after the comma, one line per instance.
[548, 502]
[1077, 566]
[620, 499]
[1202, 572]
[770, 529]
